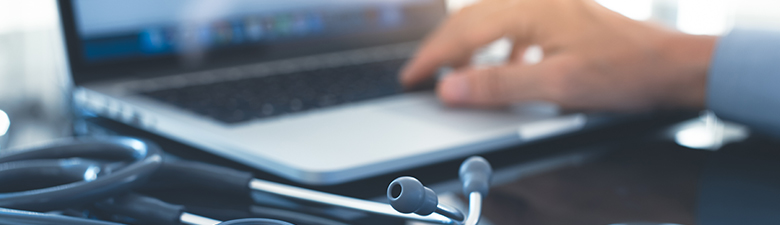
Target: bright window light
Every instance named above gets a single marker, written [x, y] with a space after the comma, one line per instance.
[5, 123]
[634, 9]
[27, 15]
[710, 17]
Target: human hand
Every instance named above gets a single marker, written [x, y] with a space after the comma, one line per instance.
[594, 58]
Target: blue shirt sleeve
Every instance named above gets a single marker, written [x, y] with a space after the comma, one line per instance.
[744, 79]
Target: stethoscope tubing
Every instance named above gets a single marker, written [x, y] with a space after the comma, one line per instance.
[89, 188]
[149, 159]
[147, 165]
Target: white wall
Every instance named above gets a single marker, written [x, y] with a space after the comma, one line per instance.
[694, 16]
[20, 15]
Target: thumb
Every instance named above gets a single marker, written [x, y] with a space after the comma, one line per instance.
[491, 86]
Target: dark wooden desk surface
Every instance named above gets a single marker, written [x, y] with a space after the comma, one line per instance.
[653, 183]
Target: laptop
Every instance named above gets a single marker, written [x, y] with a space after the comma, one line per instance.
[303, 89]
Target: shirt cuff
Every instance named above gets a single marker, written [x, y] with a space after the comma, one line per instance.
[744, 79]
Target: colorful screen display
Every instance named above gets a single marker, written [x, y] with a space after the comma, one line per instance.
[120, 29]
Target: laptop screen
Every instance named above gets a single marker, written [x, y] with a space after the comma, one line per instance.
[113, 38]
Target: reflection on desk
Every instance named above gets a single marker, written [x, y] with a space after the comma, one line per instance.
[652, 182]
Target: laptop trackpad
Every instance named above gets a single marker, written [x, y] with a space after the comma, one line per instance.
[426, 108]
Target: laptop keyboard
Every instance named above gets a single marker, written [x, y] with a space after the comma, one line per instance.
[269, 96]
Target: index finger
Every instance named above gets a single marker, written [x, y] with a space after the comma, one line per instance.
[456, 39]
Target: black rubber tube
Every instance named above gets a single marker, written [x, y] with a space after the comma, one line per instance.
[82, 192]
[197, 175]
[145, 209]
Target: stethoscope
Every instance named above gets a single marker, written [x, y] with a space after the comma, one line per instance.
[103, 171]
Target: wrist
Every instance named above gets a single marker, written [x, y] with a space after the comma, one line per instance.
[688, 57]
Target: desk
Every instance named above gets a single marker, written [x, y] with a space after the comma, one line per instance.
[626, 173]
[633, 172]
[656, 181]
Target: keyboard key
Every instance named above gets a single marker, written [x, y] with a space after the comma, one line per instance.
[268, 96]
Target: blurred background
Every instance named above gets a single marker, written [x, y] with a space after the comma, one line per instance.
[34, 79]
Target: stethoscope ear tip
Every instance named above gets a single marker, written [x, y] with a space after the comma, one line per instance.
[475, 174]
[407, 195]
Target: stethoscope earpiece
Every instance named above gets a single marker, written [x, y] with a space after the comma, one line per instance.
[408, 195]
[475, 174]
